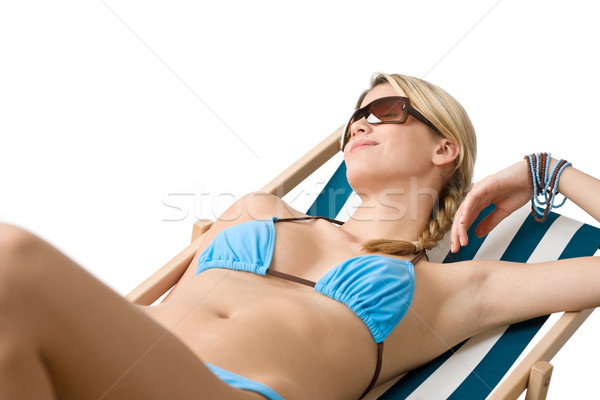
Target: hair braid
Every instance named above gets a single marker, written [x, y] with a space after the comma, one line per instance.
[442, 222]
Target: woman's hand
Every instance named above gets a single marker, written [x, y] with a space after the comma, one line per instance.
[508, 189]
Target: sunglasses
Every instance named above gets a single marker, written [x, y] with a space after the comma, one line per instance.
[386, 110]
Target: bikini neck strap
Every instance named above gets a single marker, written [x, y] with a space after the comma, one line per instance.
[418, 257]
[334, 221]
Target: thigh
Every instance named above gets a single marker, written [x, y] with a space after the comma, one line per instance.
[93, 343]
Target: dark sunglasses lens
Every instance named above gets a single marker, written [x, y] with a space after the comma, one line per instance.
[392, 109]
[387, 110]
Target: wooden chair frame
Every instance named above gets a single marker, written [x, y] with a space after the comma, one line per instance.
[533, 372]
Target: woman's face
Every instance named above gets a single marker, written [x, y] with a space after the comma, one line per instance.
[387, 152]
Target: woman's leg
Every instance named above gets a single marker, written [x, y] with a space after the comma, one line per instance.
[65, 335]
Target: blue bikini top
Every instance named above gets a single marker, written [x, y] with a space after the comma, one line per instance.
[377, 288]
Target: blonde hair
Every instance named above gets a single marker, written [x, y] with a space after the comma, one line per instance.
[452, 121]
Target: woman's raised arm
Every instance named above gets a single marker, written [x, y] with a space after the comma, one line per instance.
[513, 292]
[510, 189]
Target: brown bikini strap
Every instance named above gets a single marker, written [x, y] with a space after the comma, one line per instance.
[377, 370]
[292, 278]
[335, 221]
[418, 257]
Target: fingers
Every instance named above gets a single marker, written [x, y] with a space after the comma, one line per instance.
[460, 225]
[508, 189]
[465, 215]
[454, 237]
[463, 221]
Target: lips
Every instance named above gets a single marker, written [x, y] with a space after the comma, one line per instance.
[363, 143]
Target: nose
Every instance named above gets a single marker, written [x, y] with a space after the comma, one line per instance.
[360, 127]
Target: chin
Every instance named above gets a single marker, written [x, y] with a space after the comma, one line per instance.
[362, 178]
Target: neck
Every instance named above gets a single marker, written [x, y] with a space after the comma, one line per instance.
[400, 214]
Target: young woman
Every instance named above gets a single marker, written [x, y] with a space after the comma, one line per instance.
[278, 306]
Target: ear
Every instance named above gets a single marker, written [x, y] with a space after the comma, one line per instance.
[446, 151]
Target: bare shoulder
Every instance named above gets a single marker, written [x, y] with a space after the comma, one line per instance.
[250, 207]
[256, 206]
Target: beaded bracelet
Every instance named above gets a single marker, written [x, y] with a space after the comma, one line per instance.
[545, 186]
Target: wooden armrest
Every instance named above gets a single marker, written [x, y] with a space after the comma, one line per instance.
[546, 348]
[200, 227]
[539, 380]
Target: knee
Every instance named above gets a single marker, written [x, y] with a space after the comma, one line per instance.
[16, 246]
[13, 237]
[15, 241]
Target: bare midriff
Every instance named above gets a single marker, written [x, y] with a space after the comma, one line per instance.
[279, 333]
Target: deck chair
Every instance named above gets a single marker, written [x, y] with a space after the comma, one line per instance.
[482, 366]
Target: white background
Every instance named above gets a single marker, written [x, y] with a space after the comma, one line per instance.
[110, 111]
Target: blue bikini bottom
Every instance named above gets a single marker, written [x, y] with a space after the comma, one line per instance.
[240, 382]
